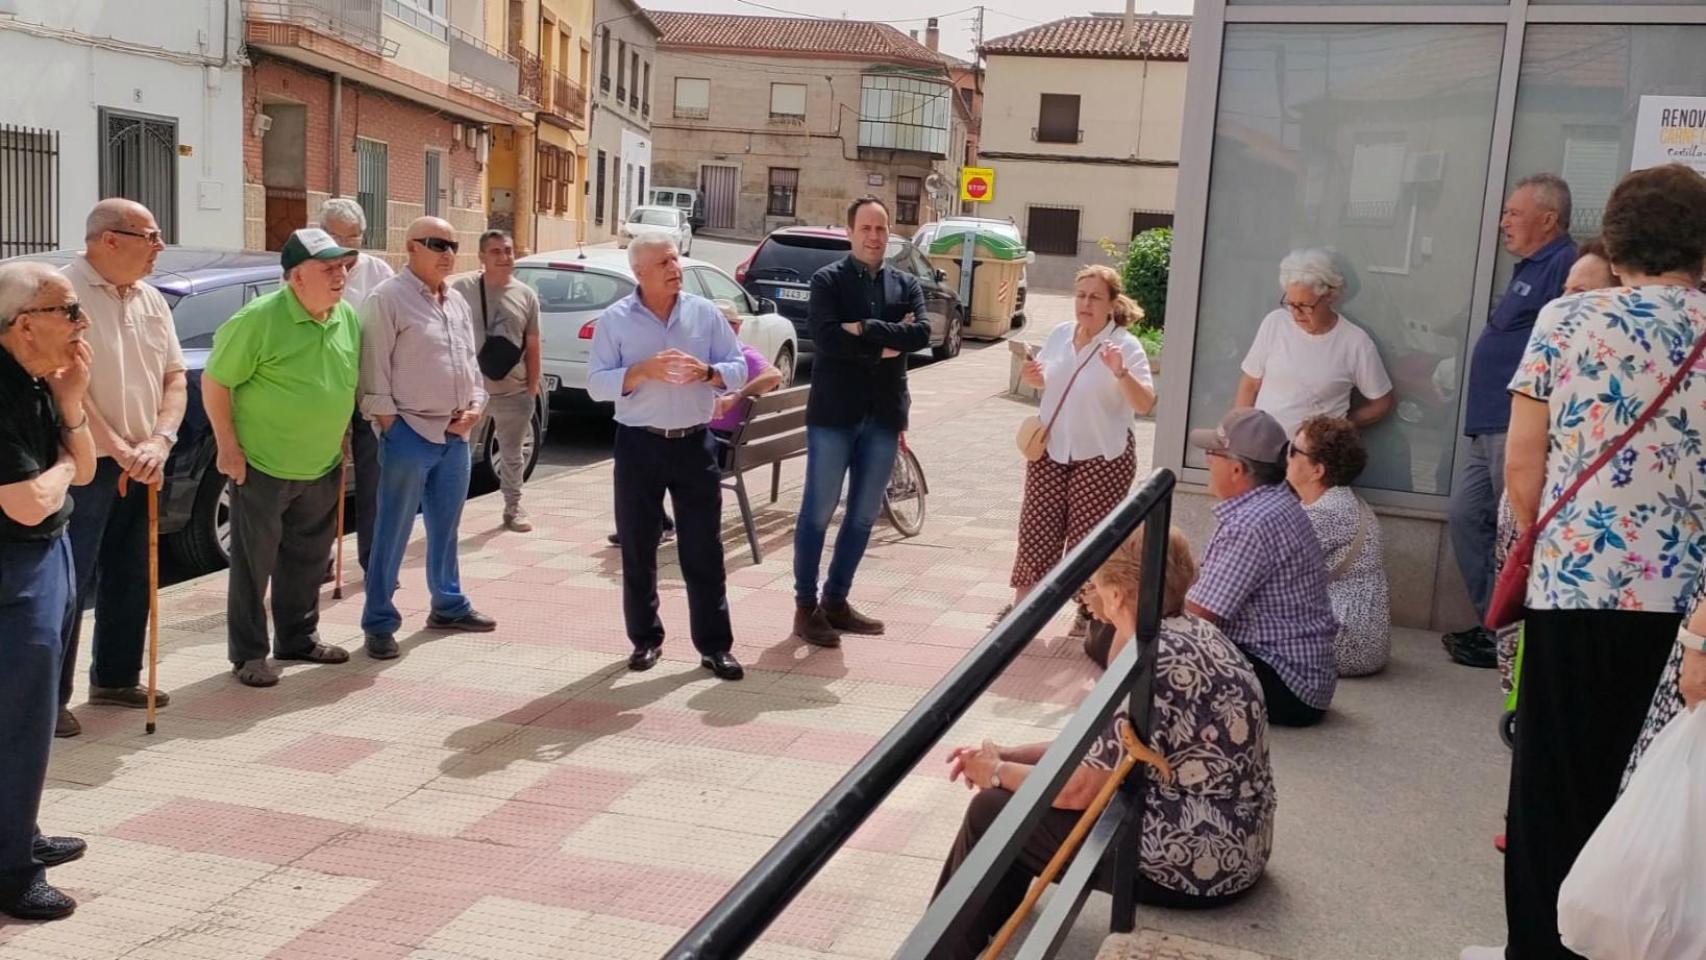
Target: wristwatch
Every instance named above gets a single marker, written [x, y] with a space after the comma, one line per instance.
[995, 778]
[170, 436]
[1689, 640]
[710, 372]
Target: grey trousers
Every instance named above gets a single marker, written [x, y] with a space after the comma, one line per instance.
[1474, 518]
[281, 533]
[512, 418]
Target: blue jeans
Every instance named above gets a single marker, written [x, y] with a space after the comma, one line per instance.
[36, 591]
[416, 474]
[863, 454]
[1473, 520]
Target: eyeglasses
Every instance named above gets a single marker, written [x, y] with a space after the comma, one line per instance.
[73, 311]
[438, 244]
[152, 236]
[1293, 450]
[1295, 307]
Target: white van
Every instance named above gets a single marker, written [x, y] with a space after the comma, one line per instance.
[681, 199]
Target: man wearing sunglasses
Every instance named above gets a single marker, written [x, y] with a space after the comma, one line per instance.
[136, 401]
[45, 448]
[421, 386]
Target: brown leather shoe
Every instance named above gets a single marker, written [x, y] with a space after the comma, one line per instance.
[67, 724]
[844, 618]
[812, 626]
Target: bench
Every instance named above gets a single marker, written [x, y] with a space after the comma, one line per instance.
[772, 430]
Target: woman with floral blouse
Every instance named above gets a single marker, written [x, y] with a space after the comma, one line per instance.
[1614, 572]
[1207, 834]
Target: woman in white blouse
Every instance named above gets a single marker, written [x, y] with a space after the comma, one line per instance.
[1306, 359]
[1090, 463]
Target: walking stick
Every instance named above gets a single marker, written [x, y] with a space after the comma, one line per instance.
[153, 598]
[338, 564]
[1135, 753]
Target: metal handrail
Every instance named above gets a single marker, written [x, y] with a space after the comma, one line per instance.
[742, 915]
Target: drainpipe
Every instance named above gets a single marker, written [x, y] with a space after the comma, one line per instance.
[337, 134]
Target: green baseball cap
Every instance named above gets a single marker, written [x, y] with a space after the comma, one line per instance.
[311, 243]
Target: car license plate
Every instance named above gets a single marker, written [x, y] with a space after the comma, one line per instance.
[552, 383]
[790, 293]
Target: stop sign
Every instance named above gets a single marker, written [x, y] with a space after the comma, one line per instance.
[977, 187]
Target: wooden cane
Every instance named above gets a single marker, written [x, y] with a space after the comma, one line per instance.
[338, 564]
[1135, 753]
[153, 598]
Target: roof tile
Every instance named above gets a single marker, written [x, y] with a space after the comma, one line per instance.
[793, 36]
[1156, 37]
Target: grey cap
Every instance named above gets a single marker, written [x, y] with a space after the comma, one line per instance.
[1246, 433]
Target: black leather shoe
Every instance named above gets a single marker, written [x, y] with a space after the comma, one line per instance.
[53, 851]
[644, 658]
[39, 901]
[381, 646]
[724, 665]
[471, 622]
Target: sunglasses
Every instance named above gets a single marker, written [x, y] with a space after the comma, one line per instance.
[152, 236]
[73, 311]
[1293, 450]
[438, 244]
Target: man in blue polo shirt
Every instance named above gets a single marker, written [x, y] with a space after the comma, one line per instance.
[1536, 228]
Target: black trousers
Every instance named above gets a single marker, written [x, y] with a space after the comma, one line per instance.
[968, 938]
[647, 466]
[36, 610]
[281, 531]
[1588, 678]
[1284, 708]
[109, 544]
[364, 450]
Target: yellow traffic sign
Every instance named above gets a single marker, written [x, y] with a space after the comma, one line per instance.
[977, 183]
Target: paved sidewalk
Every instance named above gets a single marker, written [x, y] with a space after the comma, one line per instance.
[520, 795]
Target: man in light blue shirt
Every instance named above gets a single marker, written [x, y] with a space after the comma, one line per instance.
[663, 356]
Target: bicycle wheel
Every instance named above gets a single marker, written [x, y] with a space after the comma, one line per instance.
[903, 501]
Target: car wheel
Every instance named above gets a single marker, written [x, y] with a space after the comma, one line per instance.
[204, 544]
[785, 365]
[952, 340]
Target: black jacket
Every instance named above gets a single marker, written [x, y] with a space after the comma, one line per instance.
[850, 380]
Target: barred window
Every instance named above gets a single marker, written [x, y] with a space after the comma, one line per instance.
[784, 186]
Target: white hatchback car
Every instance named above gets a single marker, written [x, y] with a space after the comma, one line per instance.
[574, 288]
[665, 220]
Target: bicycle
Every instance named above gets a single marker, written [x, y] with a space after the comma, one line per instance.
[903, 499]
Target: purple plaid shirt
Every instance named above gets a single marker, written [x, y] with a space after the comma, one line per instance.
[1264, 578]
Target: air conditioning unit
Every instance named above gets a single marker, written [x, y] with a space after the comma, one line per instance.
[1425, 167]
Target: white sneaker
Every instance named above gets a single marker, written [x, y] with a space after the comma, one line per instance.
[1482, 953]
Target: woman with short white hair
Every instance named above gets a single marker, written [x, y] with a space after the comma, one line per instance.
[1306, 358]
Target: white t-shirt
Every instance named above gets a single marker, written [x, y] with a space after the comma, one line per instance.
[1097, 420]
[367, 274]
[1305, 374]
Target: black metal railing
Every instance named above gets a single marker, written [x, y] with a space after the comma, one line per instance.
[766, 890]
[1056, 135]
[29, 184]
[355, 22]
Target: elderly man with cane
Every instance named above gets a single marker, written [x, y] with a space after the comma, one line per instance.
[279, 388]
[45, 448]
[137, 392]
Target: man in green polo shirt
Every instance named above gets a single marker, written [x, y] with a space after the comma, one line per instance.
[279, 390]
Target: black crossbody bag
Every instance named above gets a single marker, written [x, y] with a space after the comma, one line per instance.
[499, 354]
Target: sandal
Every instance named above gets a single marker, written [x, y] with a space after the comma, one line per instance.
[318, 653]
[255, 673]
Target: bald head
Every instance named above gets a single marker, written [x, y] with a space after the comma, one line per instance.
[121, 240]
[432, 250]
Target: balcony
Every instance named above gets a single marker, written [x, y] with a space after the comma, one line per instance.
[567, 104]
[354, 22]
[604, 84]
[1056, 135]
[532, 75]
[483, 69]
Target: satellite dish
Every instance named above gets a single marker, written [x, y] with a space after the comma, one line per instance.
[933, 184]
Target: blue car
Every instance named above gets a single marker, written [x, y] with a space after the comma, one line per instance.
[204, 288]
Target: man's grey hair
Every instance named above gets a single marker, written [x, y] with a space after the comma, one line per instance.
[342, 210]
[1261, 473]
[647, 241]
[491, 235]
[1313, 268]
[20, 285]
[110, 214]
[1552, 193]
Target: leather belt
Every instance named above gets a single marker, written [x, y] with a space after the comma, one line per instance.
[675, 433]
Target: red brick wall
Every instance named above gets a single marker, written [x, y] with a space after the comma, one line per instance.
[408, 129]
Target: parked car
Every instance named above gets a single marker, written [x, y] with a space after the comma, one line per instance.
[665, 220]
[1007, 228]
[683, 199]
[575, 287]
[781, 268]
[204, 288]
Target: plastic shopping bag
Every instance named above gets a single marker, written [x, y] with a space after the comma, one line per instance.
[1638, 889]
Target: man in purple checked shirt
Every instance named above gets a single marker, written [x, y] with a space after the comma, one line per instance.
[761, 378]
[1263, 578]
